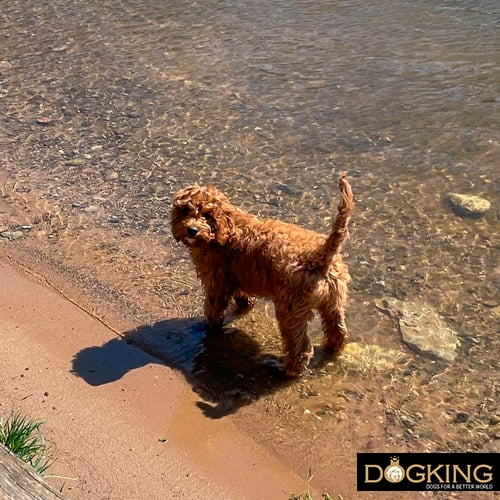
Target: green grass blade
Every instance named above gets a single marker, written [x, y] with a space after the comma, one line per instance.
[24, 438]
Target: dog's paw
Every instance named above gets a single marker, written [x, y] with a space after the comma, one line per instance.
[244, 303]
[213, 328]
[239, 306]
[293, 372]
[331, 346]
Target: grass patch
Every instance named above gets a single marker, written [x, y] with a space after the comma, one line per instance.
[24, 438]
[308, 495]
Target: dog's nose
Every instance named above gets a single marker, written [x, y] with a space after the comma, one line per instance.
[192, 231]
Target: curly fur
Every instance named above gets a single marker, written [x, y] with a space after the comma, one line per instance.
[239, 257]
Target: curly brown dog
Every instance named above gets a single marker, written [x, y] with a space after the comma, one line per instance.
[239, 256]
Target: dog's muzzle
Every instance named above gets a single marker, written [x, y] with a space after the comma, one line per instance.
[192, 231]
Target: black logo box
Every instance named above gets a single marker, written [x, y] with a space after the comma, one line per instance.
[428, 472]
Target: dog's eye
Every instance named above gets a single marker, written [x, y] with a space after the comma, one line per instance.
[208, 216]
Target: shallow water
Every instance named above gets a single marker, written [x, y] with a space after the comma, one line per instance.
[108, 108]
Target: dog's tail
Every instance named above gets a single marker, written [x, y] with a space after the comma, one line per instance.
[339, 232]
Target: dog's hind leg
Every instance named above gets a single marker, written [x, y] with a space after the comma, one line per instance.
[296, 341]
[241, 304]
[334, 327]
[244, 303]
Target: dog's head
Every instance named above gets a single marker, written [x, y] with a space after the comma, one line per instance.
[201, 216]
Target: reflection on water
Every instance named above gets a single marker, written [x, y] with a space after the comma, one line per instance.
[108, 108]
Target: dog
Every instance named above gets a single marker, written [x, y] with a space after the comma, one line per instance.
[239, 257]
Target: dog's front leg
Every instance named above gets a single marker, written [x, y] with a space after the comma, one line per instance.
[216, 302]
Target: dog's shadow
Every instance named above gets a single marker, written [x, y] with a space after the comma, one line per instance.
[227, 369]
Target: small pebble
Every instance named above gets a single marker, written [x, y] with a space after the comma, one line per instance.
[111, 176]
[461, 417]
[74, 162]
[43, 120]
[12, 235]
[5, 66]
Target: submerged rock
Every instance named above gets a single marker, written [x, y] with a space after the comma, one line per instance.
[468, 204]
[422, 329]
[5, 66]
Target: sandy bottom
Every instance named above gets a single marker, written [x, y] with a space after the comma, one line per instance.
[130, 427]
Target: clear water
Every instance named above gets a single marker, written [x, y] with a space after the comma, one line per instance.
[107, 108]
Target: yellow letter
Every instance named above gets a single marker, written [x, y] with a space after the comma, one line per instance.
[381, 472]
[465, 476]
[431, 472]
[419, 476]
[486, 477]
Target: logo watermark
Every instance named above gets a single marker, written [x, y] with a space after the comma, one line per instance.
[427, 471]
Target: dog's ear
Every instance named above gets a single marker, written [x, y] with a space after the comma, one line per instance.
[221, 212]
[224, 226]
[182, 199]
